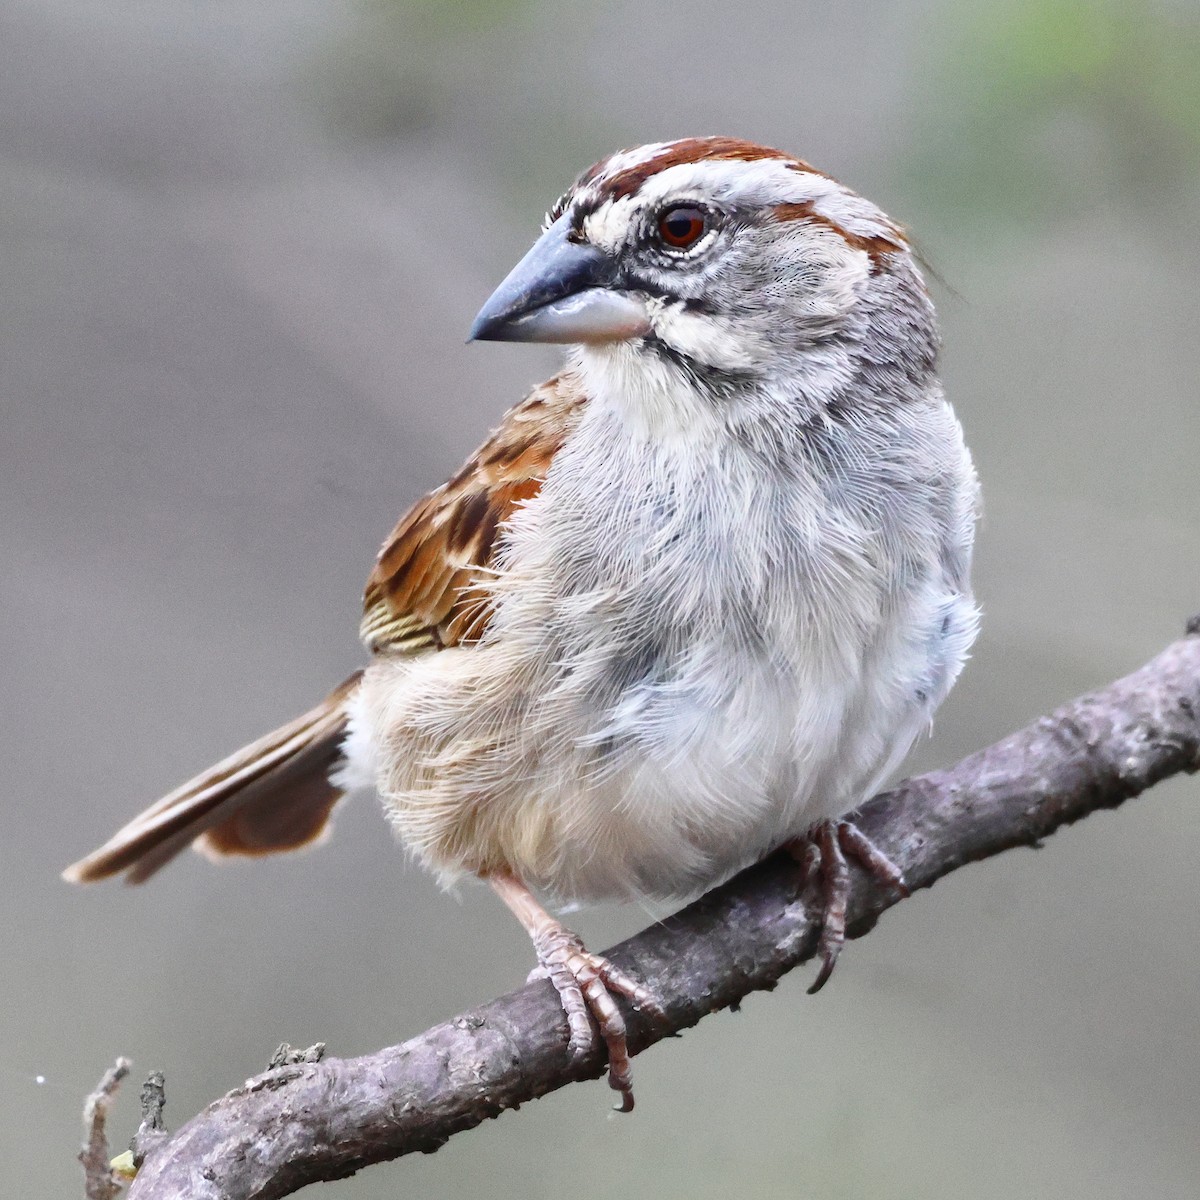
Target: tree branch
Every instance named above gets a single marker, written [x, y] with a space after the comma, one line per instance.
[309, 1121]
[98, 1180]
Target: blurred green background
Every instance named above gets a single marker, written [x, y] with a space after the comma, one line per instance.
[240, 246]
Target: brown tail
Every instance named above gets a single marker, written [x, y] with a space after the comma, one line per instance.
[272, 795]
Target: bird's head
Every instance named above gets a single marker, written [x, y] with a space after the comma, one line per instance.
[723, 260]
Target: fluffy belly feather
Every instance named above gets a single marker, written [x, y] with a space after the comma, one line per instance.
[496, 762]
[685, 667]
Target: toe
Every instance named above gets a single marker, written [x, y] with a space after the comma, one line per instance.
[612, 1029]
[873, 860]
[640, 996]
[834, 886]
[586, 984]
[822, 856]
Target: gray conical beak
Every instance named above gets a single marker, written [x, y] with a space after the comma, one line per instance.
[561, 291]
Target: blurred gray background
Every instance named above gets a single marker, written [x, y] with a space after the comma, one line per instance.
[240, 246]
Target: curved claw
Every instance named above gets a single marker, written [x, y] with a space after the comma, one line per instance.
[835, 882]
[585, 982]
[822, 856]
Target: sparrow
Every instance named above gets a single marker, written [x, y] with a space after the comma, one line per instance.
[691, 602]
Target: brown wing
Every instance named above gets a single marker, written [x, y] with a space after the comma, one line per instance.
[274, 794]
[423, 591]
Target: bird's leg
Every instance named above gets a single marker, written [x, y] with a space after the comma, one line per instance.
[585, 983]
[822, 854]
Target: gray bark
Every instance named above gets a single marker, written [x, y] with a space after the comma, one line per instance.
[99, 1183]
[307, 1121]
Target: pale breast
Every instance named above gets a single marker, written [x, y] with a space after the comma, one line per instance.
[693, 656]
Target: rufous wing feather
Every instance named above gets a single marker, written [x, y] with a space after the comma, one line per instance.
[424, 591]
[424, 594]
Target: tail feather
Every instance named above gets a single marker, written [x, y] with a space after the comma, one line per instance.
[270, 796]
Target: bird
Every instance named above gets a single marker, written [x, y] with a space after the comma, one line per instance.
[690, 603]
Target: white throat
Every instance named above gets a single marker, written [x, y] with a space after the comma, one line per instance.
[652, 396]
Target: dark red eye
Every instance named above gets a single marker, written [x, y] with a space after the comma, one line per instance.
[682, 226]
